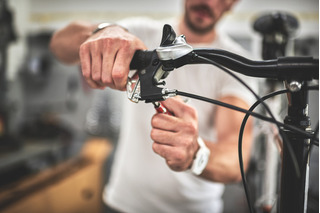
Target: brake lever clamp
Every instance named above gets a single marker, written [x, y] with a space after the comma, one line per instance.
[133, 90]
[154, 93]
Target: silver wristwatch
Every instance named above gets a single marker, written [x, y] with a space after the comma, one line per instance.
[202, 158]
[105, 25]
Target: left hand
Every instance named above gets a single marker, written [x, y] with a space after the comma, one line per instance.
[106, 55]
[175, 137]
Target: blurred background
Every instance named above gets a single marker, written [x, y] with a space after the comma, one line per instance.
[56, 134]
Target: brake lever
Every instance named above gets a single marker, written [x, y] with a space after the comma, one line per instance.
[161, 109]
[149, 86]
[154, 66]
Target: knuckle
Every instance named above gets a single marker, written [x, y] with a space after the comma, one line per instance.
[192, 112]
[155, 147]
[93, 86]
[154, 120]
[190, 127]
[171, 164]
[175, 167]
[118, 74]
[108, 42]
[180, 156]
[95, 46]
[106, 80]
[188, 142]
[86, 74]
[83, 48]
[153, 134]
[125, 43]
[85, 71]
[95, 77]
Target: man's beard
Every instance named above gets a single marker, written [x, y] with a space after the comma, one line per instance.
[193, 26]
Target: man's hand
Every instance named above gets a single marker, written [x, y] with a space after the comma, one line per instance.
[105, 57]
[175, 137]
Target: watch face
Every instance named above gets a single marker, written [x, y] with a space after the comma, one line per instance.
[200, 162]
[203, 160]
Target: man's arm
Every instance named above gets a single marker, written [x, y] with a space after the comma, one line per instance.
[175, 139]
[104, 56]
[223, 163]
[65, 43]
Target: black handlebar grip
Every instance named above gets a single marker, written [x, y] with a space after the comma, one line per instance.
[141, 59]
[301, 68]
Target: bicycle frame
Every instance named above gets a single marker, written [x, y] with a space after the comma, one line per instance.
[291, 183]
[174, 52]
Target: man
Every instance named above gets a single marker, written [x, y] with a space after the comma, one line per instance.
[142, 181]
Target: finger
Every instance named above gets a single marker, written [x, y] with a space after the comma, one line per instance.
[179, 108]
[93, 84]
[175, 157]
[107, 66]
[85, 60]
[163, 137]
[165, 122]
[163, 150]
[96, 68]
[121, 68]
[96, 64]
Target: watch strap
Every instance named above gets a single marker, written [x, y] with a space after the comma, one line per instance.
[105, 25]
[202, 157]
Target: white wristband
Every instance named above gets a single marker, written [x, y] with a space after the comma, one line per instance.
[202, 158]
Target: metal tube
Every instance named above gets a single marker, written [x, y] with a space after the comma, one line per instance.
[293, 186]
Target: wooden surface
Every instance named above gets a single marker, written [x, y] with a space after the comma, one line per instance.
[72, 186]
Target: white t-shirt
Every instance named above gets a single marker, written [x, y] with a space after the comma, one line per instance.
[140, 180]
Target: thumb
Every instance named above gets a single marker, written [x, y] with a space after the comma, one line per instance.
[176, 106]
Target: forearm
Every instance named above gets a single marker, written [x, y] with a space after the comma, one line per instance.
[223, 165]
[65, 43]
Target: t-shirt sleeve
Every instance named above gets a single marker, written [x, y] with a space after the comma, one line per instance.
[229, 85]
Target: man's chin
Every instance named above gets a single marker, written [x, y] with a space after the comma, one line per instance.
[199, 29]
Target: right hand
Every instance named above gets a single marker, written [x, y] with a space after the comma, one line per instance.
[105, 57]
[176, 137]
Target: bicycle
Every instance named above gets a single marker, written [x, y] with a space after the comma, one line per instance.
[154, 66]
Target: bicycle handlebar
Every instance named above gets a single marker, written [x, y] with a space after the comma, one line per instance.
[283, 68]
[174, 52]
